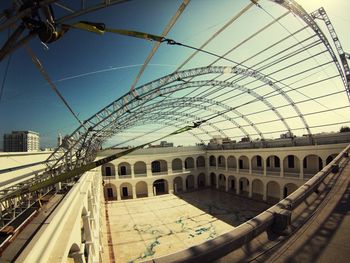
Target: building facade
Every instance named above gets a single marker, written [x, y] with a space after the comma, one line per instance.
[22, 141]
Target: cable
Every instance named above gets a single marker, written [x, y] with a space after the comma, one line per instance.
[157, 44]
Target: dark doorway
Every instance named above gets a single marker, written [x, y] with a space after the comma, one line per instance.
[160, 187]
[108, 171]
[285, 192]
[109, 193]
[240, 164]
[125, 191]
[156, 167]
[232, 184]
[123, 170]
[212, 180]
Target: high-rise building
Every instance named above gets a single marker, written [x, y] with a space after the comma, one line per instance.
[21, 141]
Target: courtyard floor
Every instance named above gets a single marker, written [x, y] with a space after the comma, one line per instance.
[145, 228]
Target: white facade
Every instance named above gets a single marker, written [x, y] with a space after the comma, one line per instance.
[72, 232]
[22, 141]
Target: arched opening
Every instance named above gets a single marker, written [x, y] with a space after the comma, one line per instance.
[312, 164]
[177, 165]
[85, 232]
[124, 170]
[273, 192]
[273, 165]
[222, 182]
[257, 164]
[231, 163]
[291, 166]
[160, 187]
[213, 180]
[331, 158]
[189, 163]
[232, 185]
[244, 186]
[221, 162]
[243, 164]
[288, 189]
[212, 161]
[257, 189]
[200, 162]
[159, 167]
[178, 184]
[108, 169]
[140, 169]
[190, 182]
[110, 192]
[201, 180]
[125, 191]
[141, 189]
[74, 254]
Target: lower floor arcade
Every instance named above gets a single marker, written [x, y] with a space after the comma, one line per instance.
[256, 187]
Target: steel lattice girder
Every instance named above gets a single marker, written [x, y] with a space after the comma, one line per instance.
[149, 91]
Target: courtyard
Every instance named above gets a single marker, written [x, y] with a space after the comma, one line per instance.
[147, 228]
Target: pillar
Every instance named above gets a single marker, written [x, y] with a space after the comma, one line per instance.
[226, 183]
[171, 187]
[237, 185]
[132, 171]
[226, 165]
[282, 168]
[150, 190]
[250, 166]
[301, 168]
[183, 166]
[118, 193]
[265, 168]
[134, 196]
[250, 189]
[217, 180]
[149, 169]
[184, 188]
[170, 167]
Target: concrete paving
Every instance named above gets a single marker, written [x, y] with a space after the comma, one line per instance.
[146, 228]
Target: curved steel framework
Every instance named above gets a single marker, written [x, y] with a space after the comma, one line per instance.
[231, 101]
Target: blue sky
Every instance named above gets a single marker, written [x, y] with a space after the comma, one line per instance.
[28, 103]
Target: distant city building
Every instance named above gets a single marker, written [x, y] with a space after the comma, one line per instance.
[21, 141]
[287, 135]
[166, 144]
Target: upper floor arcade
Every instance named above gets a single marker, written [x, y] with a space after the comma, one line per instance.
[294, 162]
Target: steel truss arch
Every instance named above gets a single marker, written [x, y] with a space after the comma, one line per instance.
[299, 11]
[145, 93]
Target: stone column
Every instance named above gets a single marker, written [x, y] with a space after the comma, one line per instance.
[132, 171]
[217, 181]
[265, 168]
[250, 189]
[171, 187]
[250, 166]
[282, 168]
[170, 168]
[150, 190]
[184, 188]
[134, 196]
[183, 166]
[226, 183]
[149, 169]
[118, 193]
[301, 168]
